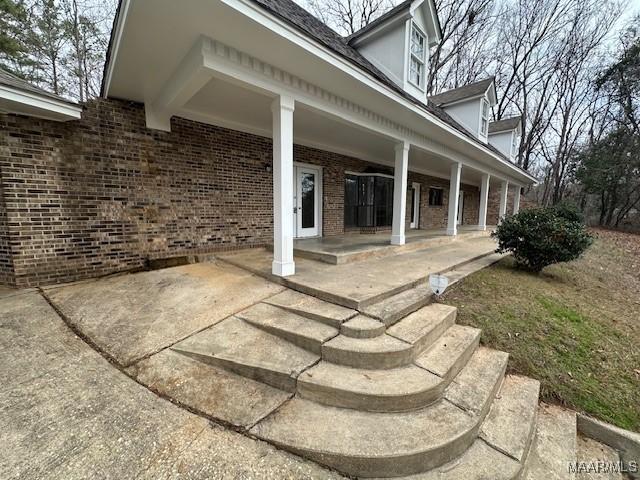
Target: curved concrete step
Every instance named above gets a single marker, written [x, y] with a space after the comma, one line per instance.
[371, 444]
[424, 326]
[505, 437]
[374, 353]
[290, 326]
[312, 307]
[554, 447]
[392, 309]
[362, 326]
[248, 351]
[511, 423]
[394, 390]
[450, 352]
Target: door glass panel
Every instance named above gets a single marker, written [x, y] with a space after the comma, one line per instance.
[308, 185]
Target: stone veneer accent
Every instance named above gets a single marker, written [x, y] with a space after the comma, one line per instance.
[106, 194]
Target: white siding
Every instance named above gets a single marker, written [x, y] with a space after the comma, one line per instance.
[386, 53]
[502, 141]
[467, 113]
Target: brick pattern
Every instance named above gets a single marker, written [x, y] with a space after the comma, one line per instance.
[106, 194]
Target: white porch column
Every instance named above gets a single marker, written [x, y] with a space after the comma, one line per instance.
[504, 190]
[282, 110]
[516, 200]
[454, 194]
[400, 193]
[484, 201]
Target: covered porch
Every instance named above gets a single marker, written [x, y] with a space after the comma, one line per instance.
[329, 107]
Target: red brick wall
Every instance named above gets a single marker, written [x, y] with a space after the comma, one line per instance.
[105, 193]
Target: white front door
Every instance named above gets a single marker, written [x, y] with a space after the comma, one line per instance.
[460, 207]
[306, 201]
[415, 205]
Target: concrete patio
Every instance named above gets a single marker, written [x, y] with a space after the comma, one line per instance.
[354, 247]
[361, 283]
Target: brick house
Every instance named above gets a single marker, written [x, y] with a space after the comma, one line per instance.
[244, 123]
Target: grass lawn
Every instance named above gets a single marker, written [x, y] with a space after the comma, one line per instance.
[575, 327]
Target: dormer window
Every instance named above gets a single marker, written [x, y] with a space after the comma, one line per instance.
[417, 56]
[484, 118]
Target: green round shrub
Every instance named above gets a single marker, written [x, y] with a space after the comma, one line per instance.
[538, 237]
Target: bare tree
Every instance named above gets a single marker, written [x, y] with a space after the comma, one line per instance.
[461, 55]
[348, 16]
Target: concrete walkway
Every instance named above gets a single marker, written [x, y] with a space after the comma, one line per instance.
[65, 412]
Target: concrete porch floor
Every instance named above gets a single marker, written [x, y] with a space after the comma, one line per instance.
[358, 284]
[354, 247]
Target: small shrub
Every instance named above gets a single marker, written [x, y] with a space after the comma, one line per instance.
[538, 237]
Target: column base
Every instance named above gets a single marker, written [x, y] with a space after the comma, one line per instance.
[397, 240]
[482, 228]
[283, 269]
[452, 231]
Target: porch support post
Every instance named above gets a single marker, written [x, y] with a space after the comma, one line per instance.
[454, 194]
[400, 193]
[484, 201]
[282, 110]
[504, 190]
[516, 200]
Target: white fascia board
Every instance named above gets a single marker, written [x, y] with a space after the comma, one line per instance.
[115, 47]
[50, 107]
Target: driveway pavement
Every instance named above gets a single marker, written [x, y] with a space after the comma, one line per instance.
[65, 412]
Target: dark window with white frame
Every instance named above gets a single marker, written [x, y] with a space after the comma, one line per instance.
[417, 56]
[435, 197]
[484, 118]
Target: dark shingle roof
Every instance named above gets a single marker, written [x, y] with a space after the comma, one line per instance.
[381, 19]
[504, 124]
[460, 93]
[10, 80]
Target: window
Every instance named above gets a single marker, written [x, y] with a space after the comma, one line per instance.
[368, 201]
[514, 145]
[417, 56]
[484, 118]
[435, 197]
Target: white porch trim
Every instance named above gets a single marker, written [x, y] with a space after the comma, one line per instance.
[484, 202]
[454, 197]
[516, 200]
[504, 191]
[400, 174]
[282, 110]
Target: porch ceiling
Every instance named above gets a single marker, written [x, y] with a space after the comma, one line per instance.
[230, 105]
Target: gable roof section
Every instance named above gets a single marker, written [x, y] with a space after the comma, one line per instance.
[21, 97]
[461, 93]
[505, 124]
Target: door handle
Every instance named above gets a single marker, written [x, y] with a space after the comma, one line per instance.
[295, 209]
